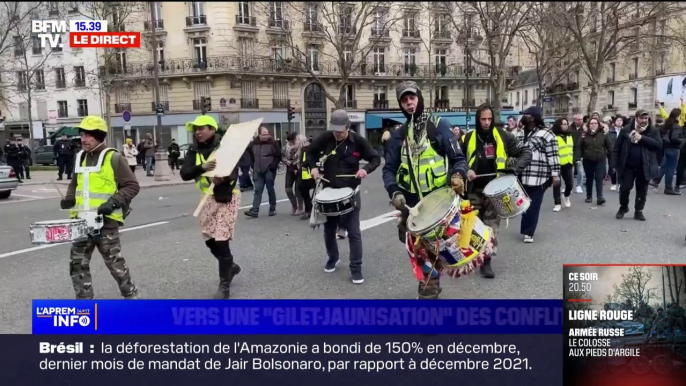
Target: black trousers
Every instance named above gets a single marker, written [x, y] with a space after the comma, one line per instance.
[306, 187]
[595, 172]
[174, 162]
[18, 167]
[630, 176]
[351, 222]
[64, 165]
[681, 167]
[530, 217]
[567, 174]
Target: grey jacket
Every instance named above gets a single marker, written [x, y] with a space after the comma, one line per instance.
[265, 155]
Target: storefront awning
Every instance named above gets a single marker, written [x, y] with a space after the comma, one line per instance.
[69, 131]
[379, 120]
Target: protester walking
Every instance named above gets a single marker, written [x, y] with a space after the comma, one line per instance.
[543, 170]
[149, 147]
[266, 155]
[634, 156]
[672, 138]
[576, 129]
[569, 153]
[306, 183]
[291, 158]
[617, 126]
[130, 153]
[595, 147]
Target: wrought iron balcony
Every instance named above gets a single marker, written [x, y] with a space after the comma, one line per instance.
[247, 103]
[121, 107]
[442, 103]
[411, 34]
[469, 103]
[196, 20]
[350, 104]
[198, 104]
[246, 20]
[280, 103]
[380, 105]
[380, 33]
[632, 105]
[159, 24]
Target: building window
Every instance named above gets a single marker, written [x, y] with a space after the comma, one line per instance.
[276, 14]
[246, 47]
[22, 81]
[441, 62]
[60, 81]
[517, 100]
[348, 55]
[442, 93]
[40, 80]
[380, 93]
[610, 98]
[634, 97]
[409, 25]
[350, 102]
[243, 12]
[160, 52]
[79, 77]
[37, 49]
[526, 97]
[280, 91]
[157, 10]
[313, 58]
[379, 55]
[346, 20]
[410, 61]
[200, 50]
[379, 23]
[249, 95]
[635, 67]
[311, 20]
[62, 111]
[613, 68]
[121, 60]
[197, 9]
[18, 46]
[83, 107]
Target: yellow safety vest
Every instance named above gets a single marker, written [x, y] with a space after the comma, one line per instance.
[566, 149]
[305, 170]
[203, 183]
[430, 169]
[500, 155]
[101, 186]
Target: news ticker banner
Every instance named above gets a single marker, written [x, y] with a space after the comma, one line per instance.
[616, 330]
[296, 317]
[83, 34]
[418, 359]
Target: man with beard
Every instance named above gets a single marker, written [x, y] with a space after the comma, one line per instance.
[634, 157]
[491, 151]
[420, 157]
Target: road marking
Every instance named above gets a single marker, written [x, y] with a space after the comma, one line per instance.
[38, 248]
[264, 203]
[25, 195]
[378, 220]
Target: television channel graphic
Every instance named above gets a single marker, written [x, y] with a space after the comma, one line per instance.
[624, 325]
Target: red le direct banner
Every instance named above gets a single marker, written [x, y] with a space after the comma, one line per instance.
[104, 39]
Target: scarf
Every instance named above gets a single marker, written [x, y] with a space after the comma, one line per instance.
[292, 152]
[417, 142]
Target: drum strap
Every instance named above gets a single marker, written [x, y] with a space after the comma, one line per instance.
[412, 176]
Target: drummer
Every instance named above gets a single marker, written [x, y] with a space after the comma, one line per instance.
[343, 151]
[490, 150]
[218, 215]
[430, 141]
[110, 189]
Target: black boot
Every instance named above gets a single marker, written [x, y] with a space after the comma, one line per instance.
[226, 274]
[486, 269]
[429, 290]
[621, 212]
[638, 215]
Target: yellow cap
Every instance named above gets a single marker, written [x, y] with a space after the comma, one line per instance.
[202, 120]
[92, 123]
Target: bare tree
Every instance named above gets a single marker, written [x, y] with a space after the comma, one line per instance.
[634, 285]
[347, 32]
[112, 62]
[499, 24]
[13, 15]
[549, 45]
[677, 283]
[601, 30]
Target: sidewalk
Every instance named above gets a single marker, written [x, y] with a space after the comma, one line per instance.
[41, 177]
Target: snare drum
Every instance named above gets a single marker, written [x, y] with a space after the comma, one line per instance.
[335, 202]
[435, 212]
[58, 231]
[507, 196]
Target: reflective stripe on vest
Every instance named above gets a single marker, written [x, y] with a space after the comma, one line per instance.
[305, 170]
[566, 149]
[500, 155]
[429, 168]
[101, 186]
[203, 183]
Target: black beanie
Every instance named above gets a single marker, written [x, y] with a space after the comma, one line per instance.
[97, 134]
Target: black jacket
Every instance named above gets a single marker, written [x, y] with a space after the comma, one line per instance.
[63, 148]
[174, 150]
[346, 161]
[595, 147]
[651, 143]
[674, 137]
[190, 171]
[12, 153]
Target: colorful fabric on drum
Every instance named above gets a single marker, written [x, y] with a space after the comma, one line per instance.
[500, 155]
[566, 149]
[429, 168]
[101, 186]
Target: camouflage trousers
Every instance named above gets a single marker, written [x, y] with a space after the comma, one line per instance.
[109, 246]
[487, 214]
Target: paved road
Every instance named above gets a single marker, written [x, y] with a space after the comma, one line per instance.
[283, 258]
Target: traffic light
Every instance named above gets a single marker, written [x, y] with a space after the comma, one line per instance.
[291, 113]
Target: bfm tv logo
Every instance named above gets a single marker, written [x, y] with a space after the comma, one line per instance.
[65, 316]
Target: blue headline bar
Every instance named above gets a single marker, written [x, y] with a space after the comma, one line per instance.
[158, 317]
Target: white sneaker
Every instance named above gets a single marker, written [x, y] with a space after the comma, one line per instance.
[557, 208]
[566, 202]
[613, 188]
[579, 190]
[341, 234]
[528, 239]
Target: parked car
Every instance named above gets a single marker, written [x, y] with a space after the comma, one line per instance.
[8, 181]
[44, 156]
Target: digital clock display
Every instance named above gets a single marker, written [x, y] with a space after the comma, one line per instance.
[87, 26]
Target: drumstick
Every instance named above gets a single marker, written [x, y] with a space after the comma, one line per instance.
[203, 201]
[486, 175]
[347, 175]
